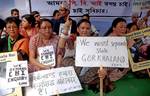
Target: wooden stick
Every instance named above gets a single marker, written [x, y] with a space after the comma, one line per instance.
[57, 93]
[101, 86]
[148, 72]
[101, 83]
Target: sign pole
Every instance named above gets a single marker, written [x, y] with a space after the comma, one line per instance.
[57, 93]
[101, 83]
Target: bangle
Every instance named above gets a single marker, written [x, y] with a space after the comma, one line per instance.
[62, 35]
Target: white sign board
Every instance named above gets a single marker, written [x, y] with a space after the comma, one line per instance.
[61, 29]
[8, 56]
[4, 87]
[105, 51]
[47, 55]
[80, 7]
[52, 82]
[17, 74]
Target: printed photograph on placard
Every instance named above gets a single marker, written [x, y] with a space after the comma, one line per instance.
[139, 49]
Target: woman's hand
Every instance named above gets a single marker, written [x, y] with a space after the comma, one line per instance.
[67, 25]
[45, 67]
[102, 73]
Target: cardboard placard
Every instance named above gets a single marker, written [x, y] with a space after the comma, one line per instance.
[4, 88]
[139, 49]
[8, 56]
[47, 55]
[61, 29]
[105, 51]
[17, 74]
[53, 82]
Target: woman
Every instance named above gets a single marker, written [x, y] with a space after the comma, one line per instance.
[28, 26]
[118, 28]
[131, 27]
[45, 37]
[66, 54]
[14, 41]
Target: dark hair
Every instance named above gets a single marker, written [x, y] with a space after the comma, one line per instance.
[55, 12]
[44, 19]
[34, 13]
[114, 24]
[30, 19]
[87, 15]
[2, 24]
[11, 19]
[13, 10]
[83, 20]
[129, 26]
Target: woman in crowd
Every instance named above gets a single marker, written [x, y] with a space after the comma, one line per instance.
[45, 37]
[14, 41]
[66, 54]
[28, 26]
[131, 27]
[94, 31]
[118, 28]
[37, 17]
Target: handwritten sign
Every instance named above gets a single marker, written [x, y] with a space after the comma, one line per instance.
[8, 56]
[47, 55]
[80, 7]
[106, 51]
[61, 29]
[17, 74]
[139, 48]
[52, 82]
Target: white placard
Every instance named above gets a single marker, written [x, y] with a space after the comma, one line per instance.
[61, 29]
[47, 55]
[106, 51]
[4, 87]
[17, 74]
[8, 56]
[52, 82]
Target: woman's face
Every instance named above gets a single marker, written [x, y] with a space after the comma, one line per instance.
[37, 17]
[63, 12]
[46, 29]
[57, 16]
[84, 29]
[133, 28]
[120, 29]
[25, 23]
[12, 29]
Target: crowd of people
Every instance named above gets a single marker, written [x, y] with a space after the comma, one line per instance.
[27, 34]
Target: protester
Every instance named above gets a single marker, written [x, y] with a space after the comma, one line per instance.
[66, 54]
[37, 17]
[55, 21]
[14, 41]
[45, 37]
[15, 12]
[93, 28]
[28, 26]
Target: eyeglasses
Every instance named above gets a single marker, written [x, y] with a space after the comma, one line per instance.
[12, 27]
